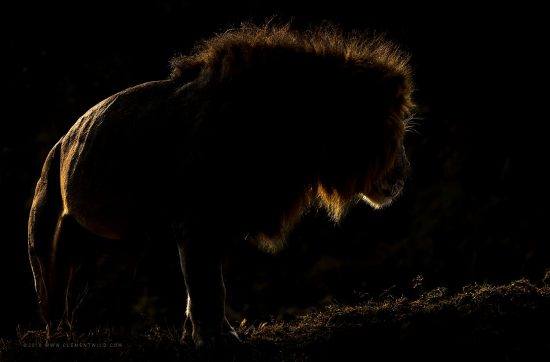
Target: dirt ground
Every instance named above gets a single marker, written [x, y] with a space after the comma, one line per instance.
[481, 322]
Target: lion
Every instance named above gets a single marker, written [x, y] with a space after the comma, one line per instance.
[254, 127]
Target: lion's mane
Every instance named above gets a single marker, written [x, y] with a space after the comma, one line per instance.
[286, 119]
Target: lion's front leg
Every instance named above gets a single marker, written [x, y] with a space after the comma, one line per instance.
[202, 270]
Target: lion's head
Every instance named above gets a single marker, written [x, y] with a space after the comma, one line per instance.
[301, 117]
[366, 116]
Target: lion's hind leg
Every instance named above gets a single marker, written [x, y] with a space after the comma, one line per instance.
[44, 217]
[68, 271]
[58, 278]
[55, 251]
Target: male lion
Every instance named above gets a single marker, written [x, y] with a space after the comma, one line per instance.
[255, 126]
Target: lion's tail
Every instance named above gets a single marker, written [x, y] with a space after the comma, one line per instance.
[44, 216]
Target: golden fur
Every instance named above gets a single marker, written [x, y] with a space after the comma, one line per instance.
[256, 125]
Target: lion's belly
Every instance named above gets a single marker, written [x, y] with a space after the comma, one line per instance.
[97, 191]
[112, 192]
[110, 180]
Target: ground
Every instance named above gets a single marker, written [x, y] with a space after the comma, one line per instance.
[506, 322]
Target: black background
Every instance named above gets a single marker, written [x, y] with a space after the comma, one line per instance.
[473, 211]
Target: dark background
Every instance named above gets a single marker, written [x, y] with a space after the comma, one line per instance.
[473, 211]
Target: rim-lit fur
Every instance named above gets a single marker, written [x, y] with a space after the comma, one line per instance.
[336, 103]
[253, 128]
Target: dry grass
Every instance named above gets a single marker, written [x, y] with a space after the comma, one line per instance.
[481, 322]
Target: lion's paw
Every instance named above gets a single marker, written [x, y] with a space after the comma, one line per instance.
[223, 341]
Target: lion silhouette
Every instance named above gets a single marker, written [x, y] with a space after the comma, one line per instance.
[257, 125]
